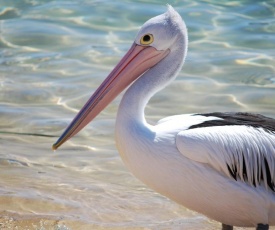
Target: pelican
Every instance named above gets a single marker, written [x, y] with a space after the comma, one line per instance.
[221, 165]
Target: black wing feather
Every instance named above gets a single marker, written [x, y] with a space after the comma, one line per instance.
[248, 119]
[240, 118]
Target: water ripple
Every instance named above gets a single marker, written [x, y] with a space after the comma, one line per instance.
[54, 54]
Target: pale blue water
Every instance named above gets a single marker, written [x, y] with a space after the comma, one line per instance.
[53, 56]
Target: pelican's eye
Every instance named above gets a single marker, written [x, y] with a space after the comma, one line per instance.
[146, 39]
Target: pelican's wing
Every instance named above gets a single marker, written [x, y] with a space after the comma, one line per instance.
[242, 148]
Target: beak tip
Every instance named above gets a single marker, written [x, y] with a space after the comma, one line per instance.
[54, 147]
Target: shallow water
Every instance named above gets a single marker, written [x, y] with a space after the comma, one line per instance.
[53, 56]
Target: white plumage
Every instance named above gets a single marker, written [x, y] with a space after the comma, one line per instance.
[221, 165]
[239, 148]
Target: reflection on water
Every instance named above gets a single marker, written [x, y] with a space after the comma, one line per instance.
[53, 56]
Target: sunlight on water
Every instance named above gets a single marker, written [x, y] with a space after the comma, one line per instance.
[54, 54]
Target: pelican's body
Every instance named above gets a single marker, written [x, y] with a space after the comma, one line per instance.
[198, 182]
[221, 165]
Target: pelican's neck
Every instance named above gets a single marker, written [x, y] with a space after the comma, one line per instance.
[137, 96]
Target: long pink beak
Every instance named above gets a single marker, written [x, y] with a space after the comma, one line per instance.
[136, 61]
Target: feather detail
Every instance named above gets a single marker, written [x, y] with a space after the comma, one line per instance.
[243, 153]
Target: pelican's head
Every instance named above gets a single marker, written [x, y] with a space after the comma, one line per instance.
[154, 42]
[162, 31]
